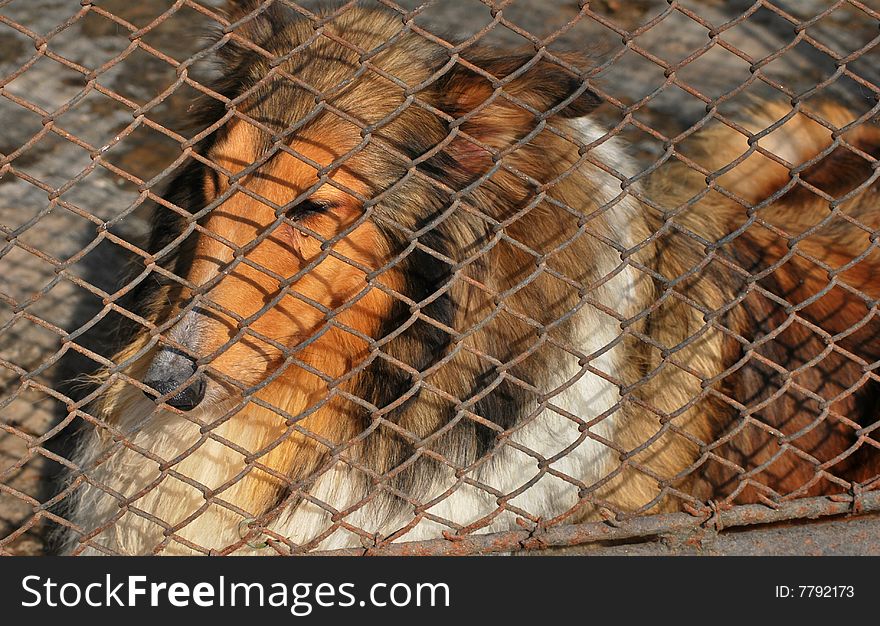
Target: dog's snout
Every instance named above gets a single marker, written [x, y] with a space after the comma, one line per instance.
[172, 372]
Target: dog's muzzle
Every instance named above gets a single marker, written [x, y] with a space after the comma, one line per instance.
[172, 372]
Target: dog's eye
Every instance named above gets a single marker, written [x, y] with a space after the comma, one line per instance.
[213, 185]
[307, 208]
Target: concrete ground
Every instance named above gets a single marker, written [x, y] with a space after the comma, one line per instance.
[54, 185]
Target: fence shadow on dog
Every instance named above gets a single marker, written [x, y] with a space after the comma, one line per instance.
[332, 280]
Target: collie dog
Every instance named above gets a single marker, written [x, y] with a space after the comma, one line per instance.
[399, 293]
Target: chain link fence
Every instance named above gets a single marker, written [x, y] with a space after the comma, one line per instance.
[442, 278]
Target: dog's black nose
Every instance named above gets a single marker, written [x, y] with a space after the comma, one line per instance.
[169, 373]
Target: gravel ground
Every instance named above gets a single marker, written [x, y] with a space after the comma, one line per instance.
[54, 184]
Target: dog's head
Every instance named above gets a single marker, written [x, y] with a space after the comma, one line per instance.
[355, 172]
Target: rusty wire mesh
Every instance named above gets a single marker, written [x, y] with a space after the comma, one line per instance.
[94, 101]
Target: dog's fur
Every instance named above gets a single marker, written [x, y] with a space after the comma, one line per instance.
[467, 319]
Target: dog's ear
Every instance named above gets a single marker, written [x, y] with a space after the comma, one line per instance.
[234, 10]
[256, 22]
[540, 83]
[503, 98]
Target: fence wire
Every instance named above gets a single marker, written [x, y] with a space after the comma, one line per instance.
[132, 160]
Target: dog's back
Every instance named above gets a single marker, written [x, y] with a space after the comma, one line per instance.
[791, 226]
